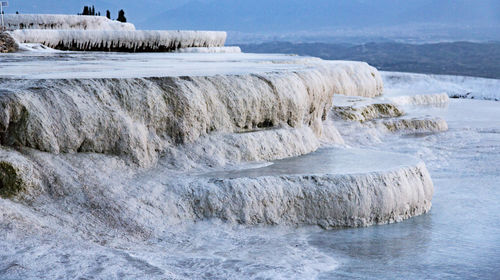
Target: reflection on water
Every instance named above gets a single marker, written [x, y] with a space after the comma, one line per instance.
[460, 237]
[418, 134]
[326, 161]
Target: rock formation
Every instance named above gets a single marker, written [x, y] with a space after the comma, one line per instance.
[7, 43]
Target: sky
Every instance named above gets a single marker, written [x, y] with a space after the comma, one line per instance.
[299, 18]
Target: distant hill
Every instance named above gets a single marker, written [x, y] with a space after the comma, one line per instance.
[457, 58]
[475, 19]
[299, 15]
[135, 11]
[57, 7]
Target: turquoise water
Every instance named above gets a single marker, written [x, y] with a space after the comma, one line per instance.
[460, 237]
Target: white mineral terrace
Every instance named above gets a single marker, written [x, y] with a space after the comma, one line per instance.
[138, 104]
[121, 40]
[66, 65]
[330, 187]
[326, 161]
[97, 33]
[187, 137]
[159, 166]
[114, 150]
[400, 85]
[63, 22]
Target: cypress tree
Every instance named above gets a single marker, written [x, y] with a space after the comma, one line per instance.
[121, 16]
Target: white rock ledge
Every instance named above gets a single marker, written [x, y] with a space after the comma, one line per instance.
[142, 117]
[121, 40]
[210, 50]
[330, 188]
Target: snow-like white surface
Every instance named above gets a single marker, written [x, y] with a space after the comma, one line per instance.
[455, 86]
[332, 161]
[260, 145]
[36, 48]
[392, 112]
[55, 239]
[191, 95]
[364, 109]
[138, 221]
[420, 99]
[79, 65]
[344, 77]
[120, 40]
[99, 216]
[210, 50]
[64, 22]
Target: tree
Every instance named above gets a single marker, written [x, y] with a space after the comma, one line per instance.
[108, 14]
[89, 11]
[121, 16]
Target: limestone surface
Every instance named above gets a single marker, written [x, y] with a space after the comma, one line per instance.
[136, 155]
[7, 43]
[120, 40]
[141, 117]
[331, 188]
[390, 113]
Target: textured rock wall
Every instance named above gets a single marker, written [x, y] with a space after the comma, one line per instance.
[141, 117]
[7, 43]
[326, 200]
[122, 197]
[120, 40]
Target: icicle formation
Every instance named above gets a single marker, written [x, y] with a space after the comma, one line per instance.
[126, 41]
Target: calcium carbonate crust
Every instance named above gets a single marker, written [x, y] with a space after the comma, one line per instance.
[453, 86]
[72, 141]
[209, 50]
[121, 40]
[424, 124]
[328, 200]
[141, 117]
[421, 99]
[141, 202]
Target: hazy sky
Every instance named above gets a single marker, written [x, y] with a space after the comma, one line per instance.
[286, 16]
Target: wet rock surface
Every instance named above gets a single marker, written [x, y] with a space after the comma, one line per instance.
[141, 118]
[225, 203]
[7, 43]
